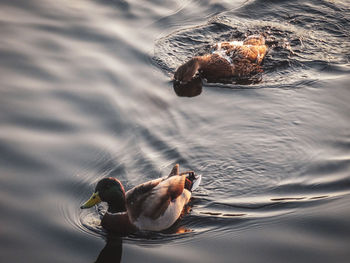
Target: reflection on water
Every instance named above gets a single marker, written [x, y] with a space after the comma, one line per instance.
[191, 89]
[86, 93]
[112, 251]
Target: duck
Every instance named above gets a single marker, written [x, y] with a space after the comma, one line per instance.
[152, 206]
[226, 60]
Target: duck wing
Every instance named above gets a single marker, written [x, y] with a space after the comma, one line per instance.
[152, 198]
[175, 170]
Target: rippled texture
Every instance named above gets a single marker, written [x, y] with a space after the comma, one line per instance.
[86, 92]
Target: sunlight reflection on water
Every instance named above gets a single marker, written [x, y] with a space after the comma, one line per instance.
[86, 92]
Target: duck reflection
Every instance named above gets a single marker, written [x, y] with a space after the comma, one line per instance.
[112, 251]
[194, 86]
[189, 89]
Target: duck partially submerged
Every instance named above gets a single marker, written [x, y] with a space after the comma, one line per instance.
[154, 205]
[227, 59]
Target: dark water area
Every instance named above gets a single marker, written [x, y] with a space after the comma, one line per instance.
[86, 92]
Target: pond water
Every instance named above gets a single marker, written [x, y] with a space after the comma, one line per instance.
[86, 92]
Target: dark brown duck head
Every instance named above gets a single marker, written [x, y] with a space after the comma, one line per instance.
[111, 191]
[211, 67]
[186, 71]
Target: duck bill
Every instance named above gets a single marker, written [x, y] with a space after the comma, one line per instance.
[94, 200]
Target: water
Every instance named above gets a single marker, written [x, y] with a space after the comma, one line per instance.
[86, 92]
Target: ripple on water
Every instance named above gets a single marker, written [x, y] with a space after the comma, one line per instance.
[296, 56]
[236, 193]
[223, 204]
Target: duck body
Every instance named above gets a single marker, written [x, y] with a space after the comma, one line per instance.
[227, 59]
[153, 206]
[157, 204]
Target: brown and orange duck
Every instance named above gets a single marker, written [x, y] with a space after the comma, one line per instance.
[154, 205]
[227, 60]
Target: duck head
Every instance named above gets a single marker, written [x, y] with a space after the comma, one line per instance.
[187, 71]
[111, 191]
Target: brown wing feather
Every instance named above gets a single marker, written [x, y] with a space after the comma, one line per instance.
[176, 187]
[175, 170]
[255, 54]
[215, 67]
[136, 196]
[171, 189]
[159, 209]
[153, 198]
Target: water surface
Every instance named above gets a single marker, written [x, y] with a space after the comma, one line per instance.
[86, 92]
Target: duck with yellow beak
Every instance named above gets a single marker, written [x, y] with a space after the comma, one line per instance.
[154, 205]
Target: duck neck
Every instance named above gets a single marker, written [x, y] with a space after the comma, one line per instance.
[113, 209]
[116, 201]
[116, 207]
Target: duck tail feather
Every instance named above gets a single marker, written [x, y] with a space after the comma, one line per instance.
[192, 181]
[196, 182]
